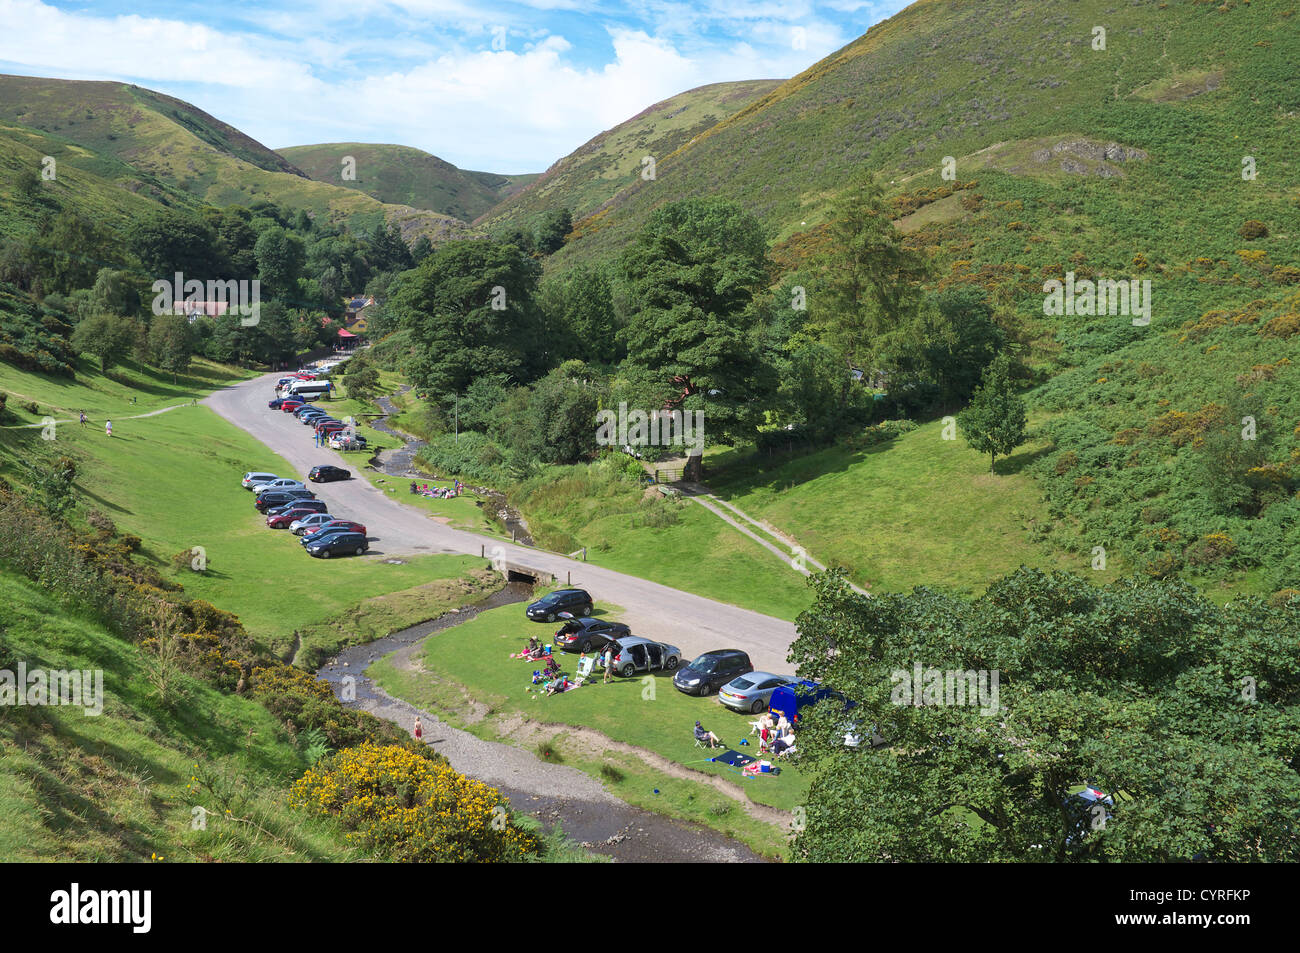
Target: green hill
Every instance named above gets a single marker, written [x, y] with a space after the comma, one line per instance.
[400, 175]
[591, 175]
[156, 146]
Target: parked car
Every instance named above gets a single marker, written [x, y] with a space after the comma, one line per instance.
[279, 483]
[309, 521]
[306, 506]
[634, 654]
[314, 417]
[588, 635]
[330, 424]
[276, 403]
[274, 498]
[336, 526]
[306, 409]
[254, 478]
[337, 544]
[291, 404]
[283, 517]
[750, 692]
[341, 442]
[328, 474]
[549, 607]
[789, 699]
[712, 670]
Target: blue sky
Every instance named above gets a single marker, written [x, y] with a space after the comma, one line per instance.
[497, 86]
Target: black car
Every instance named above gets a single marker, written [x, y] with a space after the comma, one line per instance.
[275, 404]
[305, 409]
[589, 635]
[711, 671]
[308, 506]
[273, 498]
[328, 474]
[338, 544]
[549, 607]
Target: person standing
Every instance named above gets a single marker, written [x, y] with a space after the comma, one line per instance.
[83, 418]
[418, 730]
[108, 427]
[609, 662]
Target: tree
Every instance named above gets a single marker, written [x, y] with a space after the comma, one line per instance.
[280, 258]
[108, 337]
[469, 306]
[1136, 689]
[871, 277]
[995, 422]
[171, 241]
[691, 274]
[171, 343]
[361, 378]
[554, 225]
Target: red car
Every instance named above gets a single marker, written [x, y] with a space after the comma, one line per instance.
[289, 406]
[345, 525]
[283, 520]
[331, 426]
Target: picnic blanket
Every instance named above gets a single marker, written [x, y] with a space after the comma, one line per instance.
[734, 758]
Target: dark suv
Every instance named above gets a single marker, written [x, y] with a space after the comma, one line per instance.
[338, 544]
[273, 498]
[549, 607]
[711, 671]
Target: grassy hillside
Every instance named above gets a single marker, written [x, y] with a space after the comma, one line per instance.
[401, 175]
[591, 175]
[151, 144]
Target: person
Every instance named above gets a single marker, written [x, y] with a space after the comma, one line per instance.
[415, 489]
[609, 661]
[703, 736]
[108, 427]
[559, 686]
[783, 743]
[418, 730]
[83, 418]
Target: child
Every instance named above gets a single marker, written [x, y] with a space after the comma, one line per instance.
[419, 730]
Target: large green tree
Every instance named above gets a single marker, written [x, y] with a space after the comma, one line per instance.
[469, 306]
[1184, 713]
[107, 336]
[691, 274]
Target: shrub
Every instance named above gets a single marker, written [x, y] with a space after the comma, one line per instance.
[405, 807]
[1252, 229]
[1210, 549]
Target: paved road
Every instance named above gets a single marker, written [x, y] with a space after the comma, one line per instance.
[691, 622]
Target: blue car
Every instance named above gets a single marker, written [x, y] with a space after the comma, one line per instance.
[337, 544]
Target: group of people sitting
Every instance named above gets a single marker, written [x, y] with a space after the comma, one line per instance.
[534, 651]
[438, 492]
[777, 738]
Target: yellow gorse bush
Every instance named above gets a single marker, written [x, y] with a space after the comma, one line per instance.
[408, 808]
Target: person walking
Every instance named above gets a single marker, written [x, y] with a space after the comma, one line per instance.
[108, 427]
[83, 418]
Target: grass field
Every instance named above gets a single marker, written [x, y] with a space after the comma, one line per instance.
[919, 510]
[173, 480]
[648, 713]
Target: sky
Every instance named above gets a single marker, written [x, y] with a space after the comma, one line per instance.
[490, 85]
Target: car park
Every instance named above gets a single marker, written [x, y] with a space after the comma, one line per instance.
[712, 670]
[338, 544]
[588, 635]
[634, 654]
[255, 478]
[752, 691]
[309, 521]
[328, 474]
[548, 608]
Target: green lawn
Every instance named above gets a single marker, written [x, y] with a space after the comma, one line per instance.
[173, 480]
[919, 510]
[472, 660]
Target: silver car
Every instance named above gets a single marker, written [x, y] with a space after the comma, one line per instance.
[635, 654]
[300, 526]
[284, 483]
[256, 478]
[752, 691]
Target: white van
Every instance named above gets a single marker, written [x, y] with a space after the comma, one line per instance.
[310, 389]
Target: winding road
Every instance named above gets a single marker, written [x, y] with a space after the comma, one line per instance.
[692, 623]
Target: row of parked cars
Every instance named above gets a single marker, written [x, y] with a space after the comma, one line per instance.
[338, 433]
[728, 672]
[289, 504]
